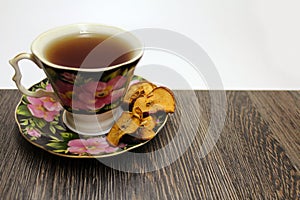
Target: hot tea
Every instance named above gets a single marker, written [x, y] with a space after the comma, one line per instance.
[88, 51]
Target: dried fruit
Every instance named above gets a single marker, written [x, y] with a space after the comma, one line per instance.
[137, 90]
[129, 124]
[148, 122]
[143, 134]
[144, 100]
[160, 99]
[126, 124]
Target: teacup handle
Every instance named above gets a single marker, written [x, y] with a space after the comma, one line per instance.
[18, 76]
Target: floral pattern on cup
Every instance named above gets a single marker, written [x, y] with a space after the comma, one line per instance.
[90, 92]
[92, 95]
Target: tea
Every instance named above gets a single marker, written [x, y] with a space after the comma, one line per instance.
[88, 51]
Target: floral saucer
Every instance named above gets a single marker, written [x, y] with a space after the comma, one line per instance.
[40, 123]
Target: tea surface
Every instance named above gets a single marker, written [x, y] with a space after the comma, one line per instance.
[88, 51]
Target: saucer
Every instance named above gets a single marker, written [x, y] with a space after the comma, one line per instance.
[49, 133]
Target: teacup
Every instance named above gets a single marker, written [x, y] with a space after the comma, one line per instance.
[89, 67]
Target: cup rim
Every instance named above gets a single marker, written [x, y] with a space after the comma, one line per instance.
[42, 58]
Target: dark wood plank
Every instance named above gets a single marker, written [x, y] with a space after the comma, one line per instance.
[285, 122]
[250, 161]
[257, 164]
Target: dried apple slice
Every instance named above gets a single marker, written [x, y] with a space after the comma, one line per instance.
[136, 90]
[127, 123]
[137, 112]
[148, 122]
[144, 133]
[130, 124]
[160, 99]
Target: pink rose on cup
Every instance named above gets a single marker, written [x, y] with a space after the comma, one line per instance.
[91, 146]
[92, 95]
[45, 107]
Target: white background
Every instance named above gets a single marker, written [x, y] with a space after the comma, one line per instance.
[254, 44]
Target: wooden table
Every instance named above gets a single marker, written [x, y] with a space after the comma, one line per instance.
[257, 156]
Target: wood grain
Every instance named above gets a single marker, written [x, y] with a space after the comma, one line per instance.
[285, 124]
[256, 156]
